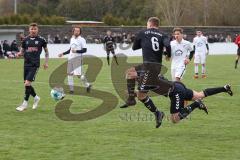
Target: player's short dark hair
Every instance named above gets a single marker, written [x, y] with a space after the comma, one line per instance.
[33, 25]
[178, 29]
[154, 20]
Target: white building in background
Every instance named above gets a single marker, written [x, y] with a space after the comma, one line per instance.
[10, 34]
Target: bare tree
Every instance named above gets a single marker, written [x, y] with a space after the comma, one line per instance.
[6, 7]
[172, 10]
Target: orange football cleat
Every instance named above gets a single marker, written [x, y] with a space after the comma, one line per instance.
[195, 76]
[204, 76]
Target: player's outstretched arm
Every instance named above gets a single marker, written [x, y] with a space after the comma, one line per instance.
[137, 42]
[167, 46]
[191, 51]
[46, 58]
[191, 55]
[19, 54]
[84, 50]
[64, 53]
[207, 46]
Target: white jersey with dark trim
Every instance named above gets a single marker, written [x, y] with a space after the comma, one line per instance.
[77, 44]
[180, 51]
[200, 44]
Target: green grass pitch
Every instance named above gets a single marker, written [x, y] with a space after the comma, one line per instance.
[122, 134]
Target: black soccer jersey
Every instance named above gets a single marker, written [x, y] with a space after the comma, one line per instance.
[152, 42]
[32, 50]
[109, 41]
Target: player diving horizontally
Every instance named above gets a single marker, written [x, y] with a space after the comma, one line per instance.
[178, 93]
[152, 43]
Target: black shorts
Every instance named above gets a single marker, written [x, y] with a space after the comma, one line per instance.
[110, 50]
[148, 76]
[30, 73]
[238, 51]
[177, 96]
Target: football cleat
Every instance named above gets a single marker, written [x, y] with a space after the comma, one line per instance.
[204, 76]
[71, 92]
[159, 118]
[202, 106]
[22, 107]
[130, 102]
[228, 89]
[124, 106]
[195, 76]
[89, 88]
[36, 101]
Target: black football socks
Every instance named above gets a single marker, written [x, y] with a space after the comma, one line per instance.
[131, 87]
[115, 57]
[33, 93]
[149, 104]
[108, 59]
[27, 92]
[211, 91]
[185, 111]
[236, 63]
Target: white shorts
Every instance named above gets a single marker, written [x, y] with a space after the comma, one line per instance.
[75, 66]
[200, 58]
[177, 72]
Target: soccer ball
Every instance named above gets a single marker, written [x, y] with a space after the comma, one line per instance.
[57, 93]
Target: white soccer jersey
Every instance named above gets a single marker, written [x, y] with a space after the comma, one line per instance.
[200, 44]
[77, 44]
[180, 51]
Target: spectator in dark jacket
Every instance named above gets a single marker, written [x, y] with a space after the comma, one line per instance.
[210, 39]
[65, 40]
[14, 46]
[6, 48]
[57, 39]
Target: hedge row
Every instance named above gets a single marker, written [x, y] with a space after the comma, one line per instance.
[26, 19]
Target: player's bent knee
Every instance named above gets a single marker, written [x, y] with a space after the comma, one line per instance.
[27, 83]
[197, 95]
[127, 73]
[132, 69]
[177, 79]
[175, 118]
[131, 73]
[141, 95]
